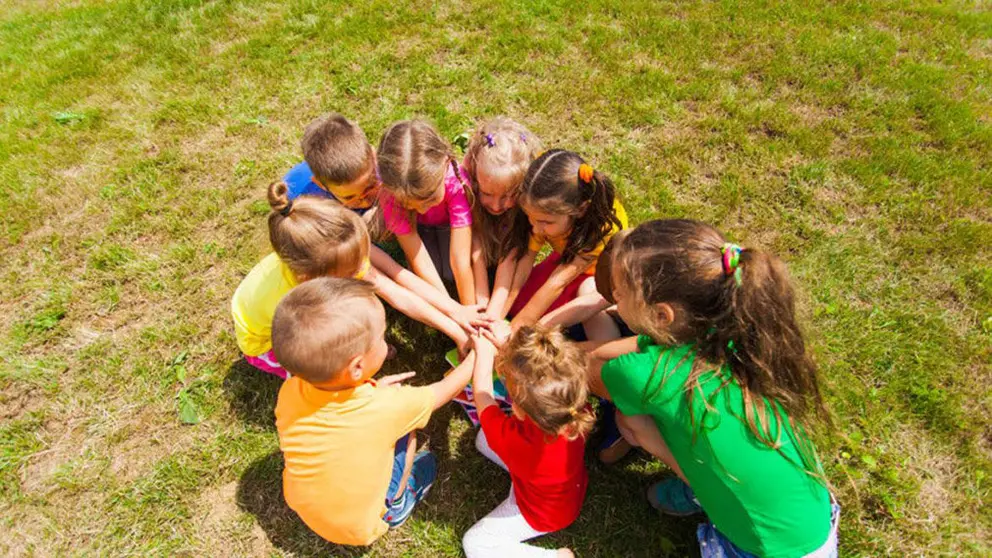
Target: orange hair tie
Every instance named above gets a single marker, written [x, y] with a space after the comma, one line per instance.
[585, 173]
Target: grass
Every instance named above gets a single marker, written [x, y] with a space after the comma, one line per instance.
[137, 137]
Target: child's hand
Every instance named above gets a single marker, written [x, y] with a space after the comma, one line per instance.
[497, 333]
[467, 316]
[395, 379]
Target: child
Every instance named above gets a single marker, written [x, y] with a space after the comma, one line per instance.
[541, 445]
[349, 441]
[570, 206]
[720, 387]
[420, 175]
[338, 163]
[316, 237]
[496, 161]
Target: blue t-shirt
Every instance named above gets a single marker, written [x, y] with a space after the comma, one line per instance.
[300, 182]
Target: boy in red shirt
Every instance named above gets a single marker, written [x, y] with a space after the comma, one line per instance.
[541, 445]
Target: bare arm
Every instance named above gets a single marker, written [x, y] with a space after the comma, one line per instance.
[415, 307]
[607, 351]
[481, 273]
[549, 291]
[451, 385]
[460, 252]
[420, 260]
[511, 274]
[576, 311]
[409, 280]
[482, 377]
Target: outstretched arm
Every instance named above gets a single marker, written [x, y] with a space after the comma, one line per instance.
[412, 305]
[420, 259]
[451, 385]
[576, 311]
[460, 253]
[549, 291]
[511, 274]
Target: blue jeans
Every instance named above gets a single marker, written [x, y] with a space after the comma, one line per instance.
[712, 543]
[399, 463]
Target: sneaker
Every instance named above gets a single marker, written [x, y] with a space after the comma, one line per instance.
[674, 497]
[421, 480]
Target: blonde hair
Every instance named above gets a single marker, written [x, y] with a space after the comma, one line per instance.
[505, 147]
[322, 324]
[546, 379]
[315, 236]
[336, 149]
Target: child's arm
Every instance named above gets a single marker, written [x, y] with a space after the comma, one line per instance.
[482, 376]
[481, 274]
[460, 252]
[511, 274]
[451, 385]
[549, 291]
[415, 307]
[607, 351]
[420, 259]
[576, 311]
[462, 315]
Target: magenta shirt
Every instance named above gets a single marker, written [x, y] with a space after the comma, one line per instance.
[454, 211]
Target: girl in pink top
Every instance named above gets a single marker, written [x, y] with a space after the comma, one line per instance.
[421, 178]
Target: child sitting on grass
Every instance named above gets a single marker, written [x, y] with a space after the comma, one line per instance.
[719, 385]
[349, 441]
[541, 445]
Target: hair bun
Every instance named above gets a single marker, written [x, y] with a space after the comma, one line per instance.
[279, 197]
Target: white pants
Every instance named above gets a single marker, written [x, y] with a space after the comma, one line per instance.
[502, 532]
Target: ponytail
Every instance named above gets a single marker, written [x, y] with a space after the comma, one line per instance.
[278, 195]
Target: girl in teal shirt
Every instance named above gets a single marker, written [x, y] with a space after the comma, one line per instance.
[720, 387]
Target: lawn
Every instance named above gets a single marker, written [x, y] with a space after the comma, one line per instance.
[137, 138]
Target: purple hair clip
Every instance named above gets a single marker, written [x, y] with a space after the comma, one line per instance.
[490, 141]
[523, 138]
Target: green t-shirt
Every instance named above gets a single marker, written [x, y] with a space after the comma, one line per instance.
[764, 503]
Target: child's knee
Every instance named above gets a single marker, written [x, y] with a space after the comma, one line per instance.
[587, 286]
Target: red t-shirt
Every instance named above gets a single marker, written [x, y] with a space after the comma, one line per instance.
[549, 475]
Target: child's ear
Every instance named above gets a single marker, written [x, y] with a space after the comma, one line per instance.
[665, 313]
[355, 369]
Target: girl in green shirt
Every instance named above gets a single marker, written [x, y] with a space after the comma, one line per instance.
[719, 386]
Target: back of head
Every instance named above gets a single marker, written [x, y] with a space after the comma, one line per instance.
[503, 149]
[604, 267]
[316, 236]
[322, 324]
[336, 149]
[736, 305]
[561, 182]
[413, 159]
[546, 378]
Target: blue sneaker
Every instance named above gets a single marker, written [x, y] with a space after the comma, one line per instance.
[674, 497]
[422, 476]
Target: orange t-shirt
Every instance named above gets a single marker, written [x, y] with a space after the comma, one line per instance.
[338, 447]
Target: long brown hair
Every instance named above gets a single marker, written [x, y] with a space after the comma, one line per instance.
[505, 147]
[315, 236]
[746, 322]
[545, 375]
[553, 185]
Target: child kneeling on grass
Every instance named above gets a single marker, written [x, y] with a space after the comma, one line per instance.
[541, 445]
[349, 441]
[719, 385]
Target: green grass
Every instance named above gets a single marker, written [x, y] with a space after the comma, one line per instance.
[137, 138]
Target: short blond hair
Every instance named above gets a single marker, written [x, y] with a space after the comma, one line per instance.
[322, 324]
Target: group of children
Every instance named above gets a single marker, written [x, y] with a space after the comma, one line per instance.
[678, 342]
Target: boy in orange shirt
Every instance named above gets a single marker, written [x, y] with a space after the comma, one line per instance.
[348, 440]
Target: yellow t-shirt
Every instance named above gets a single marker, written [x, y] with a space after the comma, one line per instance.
[558, 244]
[338, 447]
[254, 303]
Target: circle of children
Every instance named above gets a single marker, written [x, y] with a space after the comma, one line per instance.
[690, 343]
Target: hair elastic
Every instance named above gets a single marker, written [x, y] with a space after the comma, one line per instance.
[288, 209]
[586, 173]
[573, 412]
[490, 140]
[732, 260]
[363, 269]
[523, 138]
